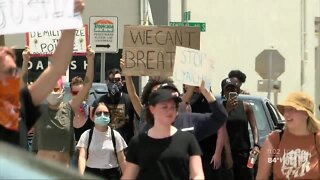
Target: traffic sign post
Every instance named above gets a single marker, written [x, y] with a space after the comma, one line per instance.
[187, 16]
[270, 64]
[104, 34]
[103, 38]
[201, 25]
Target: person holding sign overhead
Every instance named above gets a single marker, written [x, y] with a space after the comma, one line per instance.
[201, 125]
[19, 107]
[54, 132]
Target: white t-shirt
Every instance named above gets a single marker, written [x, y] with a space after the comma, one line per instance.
[101, 151]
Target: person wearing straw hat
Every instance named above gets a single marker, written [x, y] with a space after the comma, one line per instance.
[293, 153]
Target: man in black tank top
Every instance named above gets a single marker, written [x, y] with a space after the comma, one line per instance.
[240, 113]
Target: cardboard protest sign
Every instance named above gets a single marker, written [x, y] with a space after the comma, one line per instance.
[191, 67]
[150, 50]
[43, 43]
[20, 16]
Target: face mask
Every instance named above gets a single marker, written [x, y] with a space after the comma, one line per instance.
[114, 88]
[55, 98]
[10, 103]
[101, 120]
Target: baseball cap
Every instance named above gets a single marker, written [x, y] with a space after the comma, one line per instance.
[228, 82]
[161, 95]
[169, 86]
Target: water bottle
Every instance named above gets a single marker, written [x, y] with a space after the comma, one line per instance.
[252, 159]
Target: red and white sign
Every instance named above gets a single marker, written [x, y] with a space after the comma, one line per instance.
[44, 43]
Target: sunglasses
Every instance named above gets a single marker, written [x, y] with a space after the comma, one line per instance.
[117, 79]
[74, 93]
[99, 113]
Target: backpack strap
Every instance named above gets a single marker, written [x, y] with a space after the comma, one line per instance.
[89, 142]
[280, 134]
[113, 138]
[317, 142]
[114, 143]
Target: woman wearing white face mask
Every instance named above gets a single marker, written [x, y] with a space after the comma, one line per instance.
[101, 148]
[54, 133]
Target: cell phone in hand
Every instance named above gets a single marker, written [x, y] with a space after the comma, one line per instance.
[232, 94]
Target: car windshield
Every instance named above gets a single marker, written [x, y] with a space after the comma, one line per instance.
[259, 114]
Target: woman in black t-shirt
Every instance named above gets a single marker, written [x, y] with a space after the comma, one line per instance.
[163, 152]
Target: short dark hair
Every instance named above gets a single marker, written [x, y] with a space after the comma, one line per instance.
[113, 71]
[96, 105]
[148, 88]
[238, 74]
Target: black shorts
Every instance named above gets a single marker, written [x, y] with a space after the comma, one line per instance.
[109, 174]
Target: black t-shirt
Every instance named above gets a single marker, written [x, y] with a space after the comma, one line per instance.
[78, 131]
[166, 158]
[122, 114]
[29, 113]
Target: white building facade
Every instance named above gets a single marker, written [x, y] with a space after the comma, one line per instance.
[237, 31]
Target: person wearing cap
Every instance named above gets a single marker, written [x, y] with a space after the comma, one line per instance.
[163, 152]
[201, 125]
[294, 152]
[237, 141]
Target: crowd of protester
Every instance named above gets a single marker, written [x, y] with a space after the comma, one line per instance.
[161, 135]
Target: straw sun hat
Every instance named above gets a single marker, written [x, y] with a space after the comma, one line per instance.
[300, 101]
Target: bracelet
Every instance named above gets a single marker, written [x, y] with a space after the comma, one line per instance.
[256, 145]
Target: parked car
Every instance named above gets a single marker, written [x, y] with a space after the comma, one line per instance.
[267, 116]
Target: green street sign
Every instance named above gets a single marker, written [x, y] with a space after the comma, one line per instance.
[187, 16]
[201, 25]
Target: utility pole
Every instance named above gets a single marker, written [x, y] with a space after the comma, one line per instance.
[183, 9]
